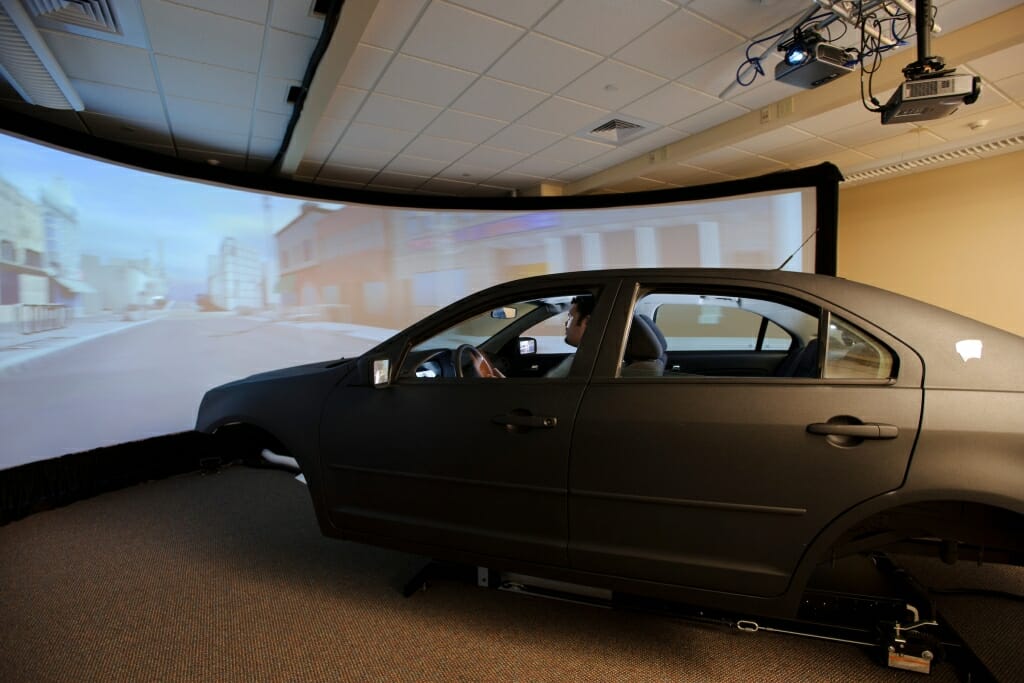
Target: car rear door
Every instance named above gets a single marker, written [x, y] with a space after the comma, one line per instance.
[722, 482]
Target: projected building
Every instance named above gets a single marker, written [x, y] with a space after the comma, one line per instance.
[63, 252]
[22, 276]
[236, 278]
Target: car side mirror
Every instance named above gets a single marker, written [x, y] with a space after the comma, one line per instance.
[527, 346]
[380, 372]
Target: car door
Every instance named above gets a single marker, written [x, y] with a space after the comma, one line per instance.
[467, 464]
[722, 482]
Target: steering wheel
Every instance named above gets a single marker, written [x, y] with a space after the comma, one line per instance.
[478, 361]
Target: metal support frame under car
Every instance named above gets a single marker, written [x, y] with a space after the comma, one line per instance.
[889, 623]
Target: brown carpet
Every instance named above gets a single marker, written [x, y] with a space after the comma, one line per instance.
[225, 577]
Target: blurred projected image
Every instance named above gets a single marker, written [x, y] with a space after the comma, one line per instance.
[125, 295]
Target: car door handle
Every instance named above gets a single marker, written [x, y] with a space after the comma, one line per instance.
[516, 419]
[870, 430]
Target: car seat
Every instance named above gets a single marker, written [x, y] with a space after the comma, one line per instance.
[646, 353]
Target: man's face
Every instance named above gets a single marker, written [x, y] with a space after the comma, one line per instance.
[575, 326]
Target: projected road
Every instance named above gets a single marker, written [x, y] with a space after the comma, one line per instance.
[147, 378]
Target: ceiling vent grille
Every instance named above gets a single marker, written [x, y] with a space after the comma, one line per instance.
[97, 15]
[616, 131]
[969, 153]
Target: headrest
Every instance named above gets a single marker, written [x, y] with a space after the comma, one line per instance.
[643, 342]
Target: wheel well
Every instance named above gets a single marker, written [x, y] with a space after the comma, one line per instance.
[245, 442]
[950, 530]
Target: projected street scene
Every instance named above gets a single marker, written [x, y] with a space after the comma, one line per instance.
[125, 295]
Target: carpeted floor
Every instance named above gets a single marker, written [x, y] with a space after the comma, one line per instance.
[225, 577]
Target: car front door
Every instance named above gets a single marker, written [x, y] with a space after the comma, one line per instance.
[441, 463]
[722, 482]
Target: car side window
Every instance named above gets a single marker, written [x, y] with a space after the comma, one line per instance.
[676, 334]
[854, 354]
[523, 338]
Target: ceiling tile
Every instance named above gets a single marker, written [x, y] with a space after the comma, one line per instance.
[359, 156]
[768, 92]
[394, 112]
[829, 122]
[519, 181]
[267, 125]
[578, 172]
[498, 100]
[123, 102]
[368, 136]
[183, 78]
[399, 180]
[1002, 64]
[670, 103]
[404, 163]
[325, 137]
[345, 103]
[611, 85]
[574, 150]
[272, 95]
[801, 152]
[468, 173]
[1013, 87]
[203, 155]
[524, 139]
[735, 162]
[416, 79]
[286, 55]
[143, 132]
[560, 115]
[295, 16]
[466, 127]
[845, 160]
[1009, 116]
[753, 19]
[960, 13]
[458, 37]
[543, 63]
[603, 26]
[391, 21]
[348, 173]
[186, 114]
[713, 77]
[448, 187]
[541, 168]
[442, 149]
[203, 37]
[365, 66]
[208, 139]
[677, 45]
[710, 117]
[101, 62]
[859, 135]
[773, 139]
[491, 157]
[263, 148]
[637, 185]
[521, 12]
[251, 10]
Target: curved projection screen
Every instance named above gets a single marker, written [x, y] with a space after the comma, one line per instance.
[125, 295]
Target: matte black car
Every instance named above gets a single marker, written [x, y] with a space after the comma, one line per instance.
[720, 433]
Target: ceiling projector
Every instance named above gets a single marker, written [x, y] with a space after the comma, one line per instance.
[810, 65]
[933, 97]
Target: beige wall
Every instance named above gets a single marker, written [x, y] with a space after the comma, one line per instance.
[953, 237]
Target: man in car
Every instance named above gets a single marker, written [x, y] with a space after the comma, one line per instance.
[575, 326]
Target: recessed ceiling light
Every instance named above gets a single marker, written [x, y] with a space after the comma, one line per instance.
[213, 162]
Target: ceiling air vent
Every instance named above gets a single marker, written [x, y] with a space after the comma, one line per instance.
[617, 131]
[950, 156]
[97, 15]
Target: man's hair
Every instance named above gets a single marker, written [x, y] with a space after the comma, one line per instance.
[584, 305]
